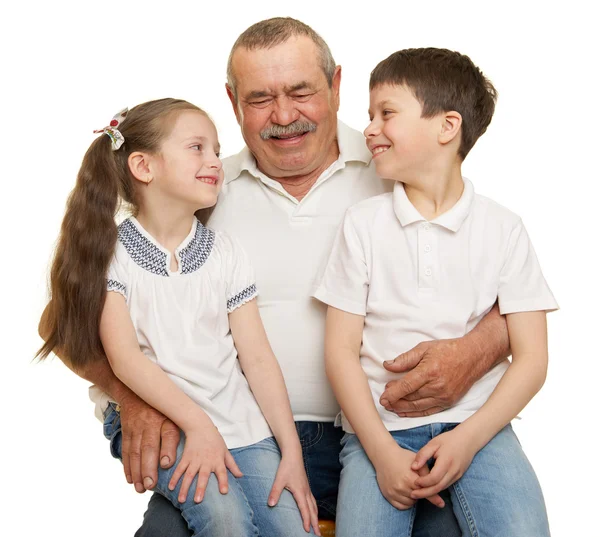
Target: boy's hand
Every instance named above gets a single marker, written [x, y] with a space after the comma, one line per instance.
[452, 456]
[397, 479]
[292, 476]
[204, 453]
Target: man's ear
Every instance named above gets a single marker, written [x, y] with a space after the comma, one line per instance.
[139, 165]
[234, 104]
[335, 85]
[450, 128]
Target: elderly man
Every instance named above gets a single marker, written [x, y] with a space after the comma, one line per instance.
[284, 196]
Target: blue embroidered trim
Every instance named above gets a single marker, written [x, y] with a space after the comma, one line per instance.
[244, 296]
[142, 251]
[114, 285]
[148, 256]
[195, 254]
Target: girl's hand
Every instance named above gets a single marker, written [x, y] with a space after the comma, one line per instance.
[292, 476]
[397, 480]
[452, 456]
[204, 453]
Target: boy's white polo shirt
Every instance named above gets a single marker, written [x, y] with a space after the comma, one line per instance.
[288, 242]
[415, 281]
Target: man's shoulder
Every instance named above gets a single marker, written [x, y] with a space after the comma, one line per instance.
[367, 210]
[234, 165]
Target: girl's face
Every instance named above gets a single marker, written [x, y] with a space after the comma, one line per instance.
[188, 168]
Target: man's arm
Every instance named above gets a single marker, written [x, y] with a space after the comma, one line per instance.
[147, 434]
[441, 372]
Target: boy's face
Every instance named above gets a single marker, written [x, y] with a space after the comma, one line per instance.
[404, 145]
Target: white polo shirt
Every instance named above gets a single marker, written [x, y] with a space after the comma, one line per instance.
[415, 281]
[288, 242]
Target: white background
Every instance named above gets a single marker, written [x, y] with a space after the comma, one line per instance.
[67, 68]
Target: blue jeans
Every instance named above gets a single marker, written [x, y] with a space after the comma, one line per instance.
[321, 447]
[499, 493]
[243, 511]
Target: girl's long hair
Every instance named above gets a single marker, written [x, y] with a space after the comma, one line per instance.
[88, 234]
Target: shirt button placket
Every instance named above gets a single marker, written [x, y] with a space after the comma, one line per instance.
[425, 255]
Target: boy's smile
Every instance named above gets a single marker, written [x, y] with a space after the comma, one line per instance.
[378, 149]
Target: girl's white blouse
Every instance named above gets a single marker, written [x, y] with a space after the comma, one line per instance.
[181, 319]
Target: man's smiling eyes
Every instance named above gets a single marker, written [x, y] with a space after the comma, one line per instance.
[300, 97]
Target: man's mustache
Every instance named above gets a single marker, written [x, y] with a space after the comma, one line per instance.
[293, 129]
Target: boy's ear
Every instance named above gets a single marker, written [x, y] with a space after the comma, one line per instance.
[450, 130]
[139, 165]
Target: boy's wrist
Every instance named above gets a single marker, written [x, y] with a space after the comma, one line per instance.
[475, 433]
[379, 452]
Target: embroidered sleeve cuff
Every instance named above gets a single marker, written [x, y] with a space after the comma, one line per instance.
[338, 302]
[241, 298]
[118, 287]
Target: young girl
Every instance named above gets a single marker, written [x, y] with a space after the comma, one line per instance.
[428, 262]
[179, 296]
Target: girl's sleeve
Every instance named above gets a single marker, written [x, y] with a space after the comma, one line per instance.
[522, 286]
[116, 277]
[239, 274]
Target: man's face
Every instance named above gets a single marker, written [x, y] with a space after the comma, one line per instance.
[287, 112]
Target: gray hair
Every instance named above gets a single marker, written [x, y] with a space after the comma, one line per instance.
[272, 32]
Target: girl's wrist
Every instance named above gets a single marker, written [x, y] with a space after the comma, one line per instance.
[200, 424]
[290, 447]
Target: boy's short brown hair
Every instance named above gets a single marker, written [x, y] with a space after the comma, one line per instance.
[442, 80]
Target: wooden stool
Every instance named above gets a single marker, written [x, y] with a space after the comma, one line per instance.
[327, 528]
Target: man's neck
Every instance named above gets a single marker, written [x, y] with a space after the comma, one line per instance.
[299, 186]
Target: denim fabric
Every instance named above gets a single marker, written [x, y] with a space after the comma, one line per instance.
[498, 495]
[243, 511]
[320, 443]
[321, 450]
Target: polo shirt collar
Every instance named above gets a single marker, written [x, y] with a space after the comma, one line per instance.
[452, 219]
[351, 143]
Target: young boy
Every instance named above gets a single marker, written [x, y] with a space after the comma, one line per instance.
[425, 262]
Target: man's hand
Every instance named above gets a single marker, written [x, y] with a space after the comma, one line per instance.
[147, 436]
[439, 374]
